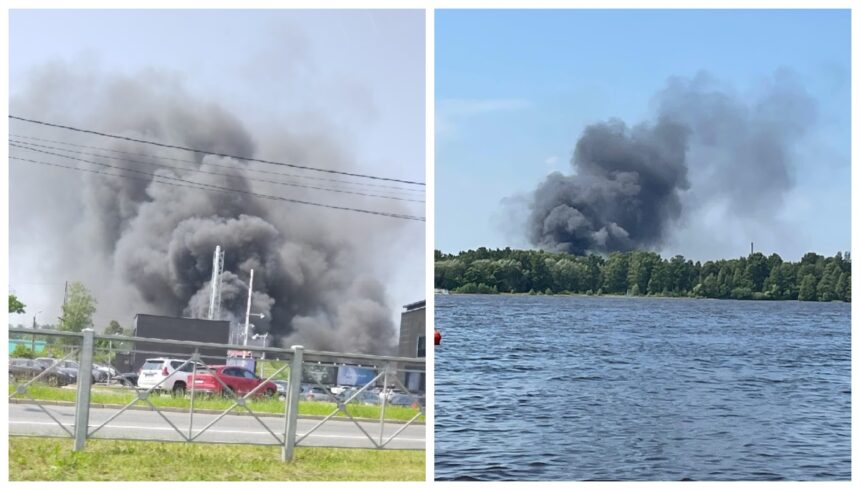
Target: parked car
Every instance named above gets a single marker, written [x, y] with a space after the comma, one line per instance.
[165, 373]
[316, 394]
[239, 380]
[103, 372]
[23, 369]
[27, 369]
[125, 379]
[366, 397]
[403, 400]
[66, 366]
[282, 386]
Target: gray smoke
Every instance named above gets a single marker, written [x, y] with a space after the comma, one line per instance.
[146, 247]
[631, 185]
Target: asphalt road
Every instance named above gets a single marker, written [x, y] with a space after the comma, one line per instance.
[29, 419]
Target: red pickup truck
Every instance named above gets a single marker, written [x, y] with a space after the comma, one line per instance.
[239, 380]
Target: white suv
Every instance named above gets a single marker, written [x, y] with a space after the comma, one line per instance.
[161, 368]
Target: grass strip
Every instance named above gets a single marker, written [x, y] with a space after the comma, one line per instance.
[121, 396]
[51, 459]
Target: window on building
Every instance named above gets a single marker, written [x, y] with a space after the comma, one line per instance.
[422, 349]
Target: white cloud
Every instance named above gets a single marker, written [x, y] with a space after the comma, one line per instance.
[552, 161]
[451, 113]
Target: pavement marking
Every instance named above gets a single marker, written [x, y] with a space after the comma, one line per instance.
[220, 431]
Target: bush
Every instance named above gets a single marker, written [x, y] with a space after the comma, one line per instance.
[742, 293]
[22, 351]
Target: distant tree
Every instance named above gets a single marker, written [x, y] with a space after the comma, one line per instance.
[15, 305]
[710, 287]
[813, 278]
[841, 283]
[826, 288]
[114, 328]
[807, 289]
[78, 309]
[756, 271]
[615, 273]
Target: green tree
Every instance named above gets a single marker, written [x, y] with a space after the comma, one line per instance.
[659, 282]
[615, 273]
[710, 287]
[480, 272]
[449, 273]
[508, 275]
[21, 351]
[78, 309]
[114, 328]
[15, 305]
[807, 288]
[756, 271]
[827, 285]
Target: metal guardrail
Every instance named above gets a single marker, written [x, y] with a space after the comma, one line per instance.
[387, 368]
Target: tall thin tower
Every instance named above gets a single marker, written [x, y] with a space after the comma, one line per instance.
[215, 284]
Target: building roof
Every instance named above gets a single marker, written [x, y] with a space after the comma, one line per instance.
[416, 305]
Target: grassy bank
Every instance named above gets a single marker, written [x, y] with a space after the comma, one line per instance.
[121, 396]
[48, 459]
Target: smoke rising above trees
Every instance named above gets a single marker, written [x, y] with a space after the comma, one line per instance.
[630, 186]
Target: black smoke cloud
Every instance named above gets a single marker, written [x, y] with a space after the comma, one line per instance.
[707, 144]
[145, 247]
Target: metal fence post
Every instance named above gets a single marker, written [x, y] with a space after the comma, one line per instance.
[291, 411]
[85, 378]
[384, 400]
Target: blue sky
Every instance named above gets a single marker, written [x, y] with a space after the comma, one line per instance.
[355, 79]
[515, 88]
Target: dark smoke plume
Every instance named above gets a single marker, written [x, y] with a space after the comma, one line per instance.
[145, 247]
[631, 185]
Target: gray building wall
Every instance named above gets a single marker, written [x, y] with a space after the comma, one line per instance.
[413, 336]
[413, 323]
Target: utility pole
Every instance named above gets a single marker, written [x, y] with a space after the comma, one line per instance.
[65, 297]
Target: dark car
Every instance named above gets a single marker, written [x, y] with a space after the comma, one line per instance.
[67, 367]
[27, 369]
[126, 379]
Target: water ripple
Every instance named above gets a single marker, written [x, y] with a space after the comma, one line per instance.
[575, 388]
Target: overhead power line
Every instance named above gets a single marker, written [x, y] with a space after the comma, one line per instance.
[196, 150]
[32, 147]
[177, 182]
[232, 167]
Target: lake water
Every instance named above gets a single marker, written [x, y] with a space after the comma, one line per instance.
[599, 388]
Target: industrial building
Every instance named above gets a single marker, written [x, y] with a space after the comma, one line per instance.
[413, 342]
[173, 328]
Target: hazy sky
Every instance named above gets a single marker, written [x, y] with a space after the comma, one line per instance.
[358, 77]
[515, 89]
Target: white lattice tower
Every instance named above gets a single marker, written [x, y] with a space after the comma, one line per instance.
[215, 284]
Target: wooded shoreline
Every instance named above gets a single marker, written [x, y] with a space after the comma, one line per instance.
[640, 273]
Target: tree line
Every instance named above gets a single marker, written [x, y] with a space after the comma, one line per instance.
[640, 273]
[77, 314]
